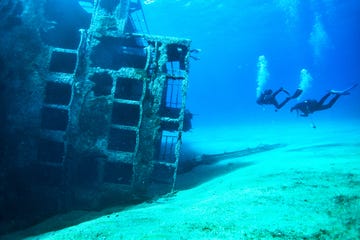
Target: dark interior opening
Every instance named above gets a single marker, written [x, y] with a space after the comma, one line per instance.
[170, 112]
[130, 89]
[175, 113]
[65, 18]
[54, 119]
[63, 62]
[117, 172]
[49, 176]
[50, 151]
[177, 53]
[122, 140]
[115, 53]
[109, 5]
[169, 126]
[167, 148]
[125, 114]
[87, 172]
[162, 174]
[103, 84]
[57, 93]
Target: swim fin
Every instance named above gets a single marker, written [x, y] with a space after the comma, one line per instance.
[345, 92]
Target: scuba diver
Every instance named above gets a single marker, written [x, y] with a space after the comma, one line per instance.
[310, 106]
[268, 97]
[187, 120]
[192, 51]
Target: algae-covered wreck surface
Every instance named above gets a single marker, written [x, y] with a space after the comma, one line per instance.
[92, 107]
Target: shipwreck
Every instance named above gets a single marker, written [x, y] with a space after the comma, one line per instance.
[93, 106]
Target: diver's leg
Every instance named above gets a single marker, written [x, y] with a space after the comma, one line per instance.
[277, 92]
[283, 103]
[330, 104]
[281, 90]
[323, 99]
[275, 103]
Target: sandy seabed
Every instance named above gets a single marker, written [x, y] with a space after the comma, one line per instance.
[307, 188]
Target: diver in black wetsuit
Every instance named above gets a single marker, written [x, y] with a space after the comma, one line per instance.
[268, 97]
[310, 106]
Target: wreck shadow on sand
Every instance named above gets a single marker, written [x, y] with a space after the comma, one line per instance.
[209, 166]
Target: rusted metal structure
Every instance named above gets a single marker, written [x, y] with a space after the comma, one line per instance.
[110, 105]
[122, 101]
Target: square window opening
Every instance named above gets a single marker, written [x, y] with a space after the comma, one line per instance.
[177, 53]
[47, 175]
[169, 126]
[88, 170]
[50, 151]
[118, 172]
[109, 5]
[130, 89]
[122, 140]
[63, 62]
[54, 119]
[103, 84]
[163, 174]
[115, 53]
[57, 93]
[125, 114]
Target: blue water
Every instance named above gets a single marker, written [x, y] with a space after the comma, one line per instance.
[315, 40]
[321, 36]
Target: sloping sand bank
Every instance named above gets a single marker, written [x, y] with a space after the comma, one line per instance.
[307, 189]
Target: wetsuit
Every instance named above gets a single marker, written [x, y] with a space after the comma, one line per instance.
[269, 98]
[310, 106]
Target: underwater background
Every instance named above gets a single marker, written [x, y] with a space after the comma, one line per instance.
[241, 47]
[319, 36]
